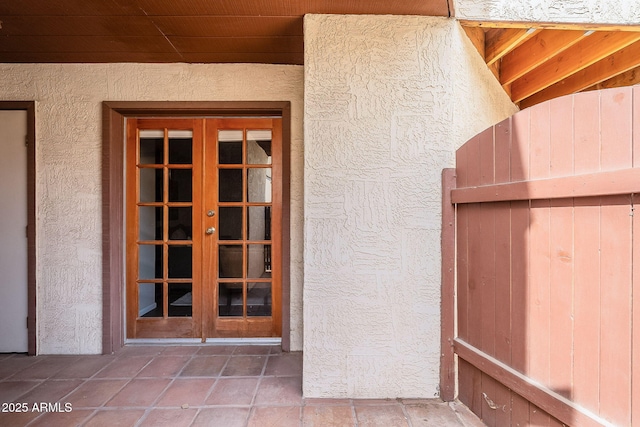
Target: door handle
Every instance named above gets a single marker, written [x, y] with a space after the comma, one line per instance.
[210, 230]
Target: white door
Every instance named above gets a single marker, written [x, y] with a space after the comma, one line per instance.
[13, 222]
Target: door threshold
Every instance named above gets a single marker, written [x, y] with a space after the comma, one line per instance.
[244, 341]
[163, 341]
[198, 341]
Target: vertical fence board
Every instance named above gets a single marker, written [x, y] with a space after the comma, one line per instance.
[561, 250]
[586, 127]
[635, 361]
[503, 312]
[465, 383]
[615, 351]
[586, 358]
[616, 132]
[520, 408]
[486, 270]
[487, 301]
[615, 298]
[519, 158]
[486, 157]
[539, 142]
[561, 137]
[502, 150]
[462, 246]
[538, 326]
[462, 251]
[636, 127]
[519, 283]
[561, 296]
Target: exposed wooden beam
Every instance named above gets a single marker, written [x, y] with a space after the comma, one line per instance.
[620, 62]
[628, 78]
[548, 25]
[540, 48]
[499, 42]
[476, 35]
[583, 54]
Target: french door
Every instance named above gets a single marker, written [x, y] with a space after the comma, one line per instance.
[204, 210]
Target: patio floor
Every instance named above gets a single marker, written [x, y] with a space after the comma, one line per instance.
[192, 386]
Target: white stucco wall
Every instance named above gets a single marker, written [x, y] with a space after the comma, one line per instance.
[565, 11]
[387, 101]
[68, 132]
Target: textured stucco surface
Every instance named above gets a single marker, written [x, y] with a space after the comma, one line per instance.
[68, 131]
[625, 12]
[388, 99]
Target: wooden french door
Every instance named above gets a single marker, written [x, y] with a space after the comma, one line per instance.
[204, 227]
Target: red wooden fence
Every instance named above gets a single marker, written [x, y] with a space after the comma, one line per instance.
[547, 332]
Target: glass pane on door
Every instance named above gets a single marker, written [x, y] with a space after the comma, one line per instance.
[180, 300]
[230, 299]
[258, 299]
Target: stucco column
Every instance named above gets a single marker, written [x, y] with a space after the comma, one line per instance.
[387, 101]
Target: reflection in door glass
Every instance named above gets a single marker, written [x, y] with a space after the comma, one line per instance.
[180, 300]
[180, 185]
[259, 223]
[230, 147]
[149, 262]
[259, 261]
[151, 181]
[151, 147]
[180, 220]
[180, 261]
[180, 146]
[259, 185]
[259, 147]
[230, 185]
[230, 299]
[150, 300]
[230, 223]
[150, 223]
[258, 299]
[230, 261]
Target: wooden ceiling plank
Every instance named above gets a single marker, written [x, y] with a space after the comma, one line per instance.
[535, 51]
[158, 57]
[628, 78]
[499, 42]
[84, 44]
[229, 26]
[548, 25]
[77, 26]
[583, 54]
[238, 44]
[67, 8]
[620, 62]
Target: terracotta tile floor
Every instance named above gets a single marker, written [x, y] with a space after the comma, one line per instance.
[192, 386]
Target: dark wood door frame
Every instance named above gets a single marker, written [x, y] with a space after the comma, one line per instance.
[113, 249]
[30, 108]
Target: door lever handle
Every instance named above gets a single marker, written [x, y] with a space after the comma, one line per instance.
[210, 230]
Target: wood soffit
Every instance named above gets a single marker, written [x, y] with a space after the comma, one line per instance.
[533, 62]
[193, 31]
